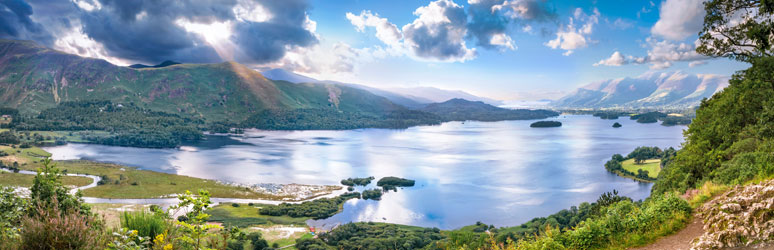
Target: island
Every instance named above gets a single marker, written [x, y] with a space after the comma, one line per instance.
[357, 181]
[642, 164]
[392, 182]
[617, 125]
[545, 124]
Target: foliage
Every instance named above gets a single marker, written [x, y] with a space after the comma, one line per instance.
[675, 120]
[394, 182]
[372, 235]
[639, 155]
[146, 224]
[617, 125]
[129, 125]
[643, 153]
[317, 209]
[545, 124]
[357, 181]
[734, 123]
[12, 209]
[257, 241]
[47, 190]
[8, 137]
[49, 227]
[738, 29]
[195, 230]
[372, 194]
[332, 119]
[464, 110]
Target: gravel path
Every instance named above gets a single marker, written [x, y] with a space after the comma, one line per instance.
[679, 241]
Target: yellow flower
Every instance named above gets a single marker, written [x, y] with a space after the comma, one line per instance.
[168, 246]
[159, 238]
[133, 233]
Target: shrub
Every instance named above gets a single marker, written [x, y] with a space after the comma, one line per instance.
[235, 204]
[52, 228]
[147, 224]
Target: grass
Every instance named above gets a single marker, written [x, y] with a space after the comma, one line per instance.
[246, 216]
[25, 180]
[705, 193]
[653, 166]
[111, 212]
[128, 182]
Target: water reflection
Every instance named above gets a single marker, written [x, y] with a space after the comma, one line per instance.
[501, 173]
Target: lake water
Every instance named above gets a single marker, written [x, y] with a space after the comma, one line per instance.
[501, 173]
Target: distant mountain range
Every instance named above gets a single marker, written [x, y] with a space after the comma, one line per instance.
[410, 97]
[651, 90]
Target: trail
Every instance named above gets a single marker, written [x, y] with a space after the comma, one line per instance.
[680, 240]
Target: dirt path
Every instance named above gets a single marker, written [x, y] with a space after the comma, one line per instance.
[679, 241]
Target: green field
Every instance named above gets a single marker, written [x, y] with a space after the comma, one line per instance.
[124, 182]
[653, 166]
[245, 216]
[8, 179]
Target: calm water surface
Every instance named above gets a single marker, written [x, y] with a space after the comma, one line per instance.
[502, 173]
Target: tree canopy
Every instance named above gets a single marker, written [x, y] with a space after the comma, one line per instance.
[739, 29]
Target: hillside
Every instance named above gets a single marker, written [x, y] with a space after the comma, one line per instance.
[34, 78]
[415, 97]
[660, 90]
[463, 110]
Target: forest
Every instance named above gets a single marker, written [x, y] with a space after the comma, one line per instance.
[128, 125]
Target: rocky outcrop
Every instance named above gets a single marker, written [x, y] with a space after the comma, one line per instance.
[743, 216]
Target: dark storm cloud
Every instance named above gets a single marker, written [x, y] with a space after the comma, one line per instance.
[145, 30]
[264, 42]
[16, 22]
[492, 17]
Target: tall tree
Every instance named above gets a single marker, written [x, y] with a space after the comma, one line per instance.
[739, 29]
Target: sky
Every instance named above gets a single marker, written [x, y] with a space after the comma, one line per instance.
[502, 49]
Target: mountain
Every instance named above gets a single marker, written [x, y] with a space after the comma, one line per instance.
[441, 95]
[283, 75]
[654, 90]
[34, 78]
[410, 97]
[160, 65]
[462, 110]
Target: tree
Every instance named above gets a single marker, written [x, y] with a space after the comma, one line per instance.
[737, 29]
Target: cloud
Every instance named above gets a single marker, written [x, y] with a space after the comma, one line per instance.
[661, 54]
[622, 24]
[441, 28]
[439, 32]
[571, 36]
[16, 22]
[696, 63]
[616, 59]
[489, 19]
[385, 31]
[150, 31]
[679, 19]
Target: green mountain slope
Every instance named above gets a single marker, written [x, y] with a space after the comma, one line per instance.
[34, 78]
[462, 110]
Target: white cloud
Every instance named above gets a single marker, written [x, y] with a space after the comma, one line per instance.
[385, 31]
[696, 63]
[679, 19]
[616, 59]
[570, 37]
[503, 41]
[661, 54]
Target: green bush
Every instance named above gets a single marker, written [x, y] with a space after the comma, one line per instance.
[147, 224]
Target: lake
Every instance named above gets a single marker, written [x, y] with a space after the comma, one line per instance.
[501, 173]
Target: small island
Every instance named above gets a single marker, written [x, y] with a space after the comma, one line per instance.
[392, 182]
[357, 181]
[545, 124]
[642, 164]
[617, 125]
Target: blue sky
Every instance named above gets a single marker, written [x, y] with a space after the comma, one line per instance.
[532, 69]
[504, 49]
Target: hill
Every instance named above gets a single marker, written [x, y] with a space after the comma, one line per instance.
[463, 110]
[160, 65]
[415, 97]
[650, 90]
[34, 78]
